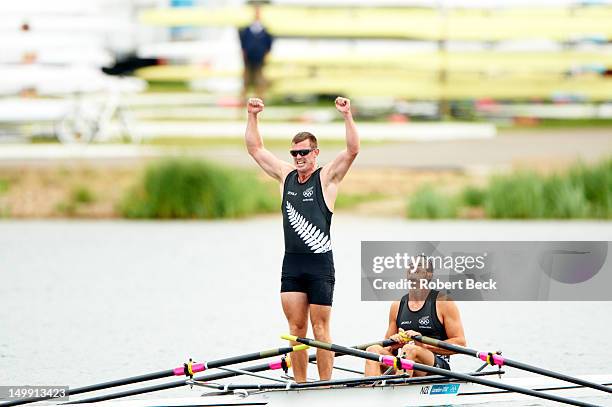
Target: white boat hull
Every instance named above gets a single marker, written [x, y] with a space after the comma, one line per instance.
[428, 394]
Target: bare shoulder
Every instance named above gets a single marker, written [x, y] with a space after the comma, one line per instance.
[286, 169]
[325, 173]
[394, 308]
[446, 304]
[328, 182]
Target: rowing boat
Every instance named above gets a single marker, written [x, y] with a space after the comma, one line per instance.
[440, 387]
[394, 391]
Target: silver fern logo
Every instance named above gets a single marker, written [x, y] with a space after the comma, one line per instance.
[308, 193]
[316, 240]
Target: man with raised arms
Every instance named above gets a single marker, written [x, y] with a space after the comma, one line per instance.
[308, 196]
[420, 312]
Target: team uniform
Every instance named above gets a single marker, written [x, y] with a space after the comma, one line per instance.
[426, 322]
[308, 264]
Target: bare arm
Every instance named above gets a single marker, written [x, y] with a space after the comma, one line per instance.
[392, 329]
[274, 167]
[335, 171]
[448, 313]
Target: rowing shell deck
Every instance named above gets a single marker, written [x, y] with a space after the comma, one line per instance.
[427, 391]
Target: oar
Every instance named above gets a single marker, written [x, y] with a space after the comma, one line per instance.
[411, 365]
[495, 359]
[273, 365]
[187, 370]
[276, 364]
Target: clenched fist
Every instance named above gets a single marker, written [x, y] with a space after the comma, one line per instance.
[255, 105]
[343, 105]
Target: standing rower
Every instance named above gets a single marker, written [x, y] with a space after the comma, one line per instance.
[308, 197]
[420, 312]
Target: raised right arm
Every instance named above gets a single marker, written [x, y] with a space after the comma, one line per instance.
[274, 167]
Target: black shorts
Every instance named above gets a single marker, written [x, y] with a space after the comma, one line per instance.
[441, 363]
[312, 274]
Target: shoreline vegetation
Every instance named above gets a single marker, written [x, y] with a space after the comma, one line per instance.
[196, 189]
[580, 192]
[189, 188]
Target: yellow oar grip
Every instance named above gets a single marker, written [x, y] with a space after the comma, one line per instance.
[289, 337]
[405, 337]
[190, 367]
[300, 347]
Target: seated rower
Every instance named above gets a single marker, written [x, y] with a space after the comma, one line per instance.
[420, 312]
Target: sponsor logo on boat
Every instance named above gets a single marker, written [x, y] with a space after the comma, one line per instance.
[450, 388]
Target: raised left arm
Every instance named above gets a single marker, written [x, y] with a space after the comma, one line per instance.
[335, 171]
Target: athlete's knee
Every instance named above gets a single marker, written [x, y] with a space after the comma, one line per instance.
[320, 329]
[375, 349]
[418, 354]
[410, 350]
[298, 328]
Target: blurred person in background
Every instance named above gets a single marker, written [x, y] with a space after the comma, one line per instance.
[29, 56]
[308, 196]
[256, 44]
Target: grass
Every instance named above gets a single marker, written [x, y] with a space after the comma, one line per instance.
[66, 208]
[346, 201]
[566, 124]
[194, 189]
[4, 186]
[473, 196]
[519, 196]
[581, 192]
[596, 185]
[78, 196]
[427, 203]
[564, 199]
[167, 86]
[82, 195]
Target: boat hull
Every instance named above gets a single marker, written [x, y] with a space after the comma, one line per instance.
[426, 393]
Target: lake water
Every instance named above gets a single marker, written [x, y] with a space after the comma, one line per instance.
[88, 301]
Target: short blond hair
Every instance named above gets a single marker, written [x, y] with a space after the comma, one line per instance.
[304, 135]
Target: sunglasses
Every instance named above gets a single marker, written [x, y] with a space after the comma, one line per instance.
[302, 153]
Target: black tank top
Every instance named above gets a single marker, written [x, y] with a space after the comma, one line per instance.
[306, 217]
[424, 320]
